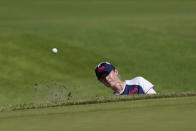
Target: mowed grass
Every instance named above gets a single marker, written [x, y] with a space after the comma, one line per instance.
[153, 39]
[168, 114]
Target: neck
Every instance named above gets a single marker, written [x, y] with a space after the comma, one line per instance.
[119, 86]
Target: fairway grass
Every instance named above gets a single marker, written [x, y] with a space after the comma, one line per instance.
[154, 39]
[167, 114]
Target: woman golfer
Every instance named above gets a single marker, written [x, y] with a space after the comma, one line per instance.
[108, 75]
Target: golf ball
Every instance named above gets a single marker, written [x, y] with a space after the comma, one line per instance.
[54, 50]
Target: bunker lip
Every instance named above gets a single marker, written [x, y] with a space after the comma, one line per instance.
[94, 101]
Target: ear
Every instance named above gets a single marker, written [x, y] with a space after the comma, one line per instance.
[116, 71]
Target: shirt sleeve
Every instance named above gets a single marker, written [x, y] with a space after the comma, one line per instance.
[147, 87]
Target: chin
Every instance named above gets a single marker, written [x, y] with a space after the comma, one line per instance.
[108, 86]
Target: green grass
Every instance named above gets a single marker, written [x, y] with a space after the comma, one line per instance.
[154, 39]
[59, 102]
[168, 114]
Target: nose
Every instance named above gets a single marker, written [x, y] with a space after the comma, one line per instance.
[108, 78]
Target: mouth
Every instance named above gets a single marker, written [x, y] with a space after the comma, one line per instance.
[110, 84]
[107, 84]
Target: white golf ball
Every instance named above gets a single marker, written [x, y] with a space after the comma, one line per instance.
[54, 50]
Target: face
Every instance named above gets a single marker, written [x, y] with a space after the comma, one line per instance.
[111, 79]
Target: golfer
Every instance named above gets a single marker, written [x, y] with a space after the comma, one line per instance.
[108, 75]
